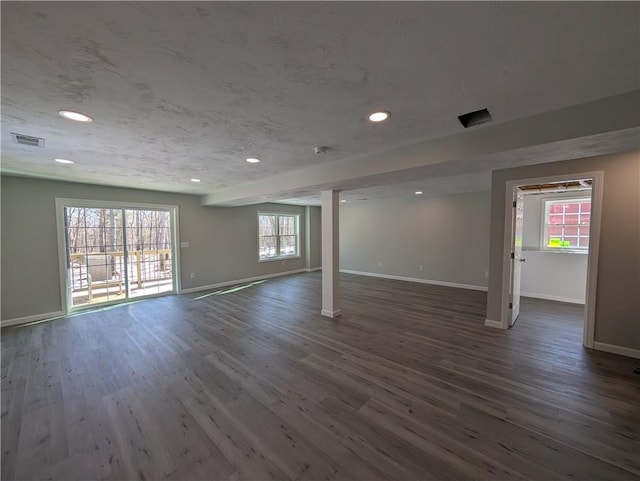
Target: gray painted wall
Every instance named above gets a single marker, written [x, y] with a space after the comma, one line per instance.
[617, 318]
[222, 241]
[448, 236]
[556, 275]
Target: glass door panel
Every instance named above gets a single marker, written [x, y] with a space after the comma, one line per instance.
[149, 250]
[94, 255]
[114, 254]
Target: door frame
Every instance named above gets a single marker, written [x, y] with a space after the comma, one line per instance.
[597, 178]
[61, 203]
[517, 195]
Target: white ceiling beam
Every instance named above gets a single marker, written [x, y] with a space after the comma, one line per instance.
[611, 114]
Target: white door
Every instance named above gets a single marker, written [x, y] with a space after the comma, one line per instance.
[516, 255]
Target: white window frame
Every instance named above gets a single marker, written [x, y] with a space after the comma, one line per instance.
[547, 201]
[61, 203]
[296, 254]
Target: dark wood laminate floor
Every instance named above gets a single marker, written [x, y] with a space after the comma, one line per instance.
[255, 384]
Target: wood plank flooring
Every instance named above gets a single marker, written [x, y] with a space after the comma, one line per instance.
[254, 384]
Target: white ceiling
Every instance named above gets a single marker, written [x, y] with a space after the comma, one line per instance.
[190, 89]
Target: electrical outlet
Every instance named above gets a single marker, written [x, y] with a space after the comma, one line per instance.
[486, 273]
[420, 268]
[192, 275]
[379, 263]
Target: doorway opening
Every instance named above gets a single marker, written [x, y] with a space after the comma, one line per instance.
[112, 253]
[553, 224]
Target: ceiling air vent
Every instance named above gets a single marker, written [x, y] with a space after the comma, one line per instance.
[27, 140]
[474, 118]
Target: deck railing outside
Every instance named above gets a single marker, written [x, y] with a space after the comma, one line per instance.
[100, 276]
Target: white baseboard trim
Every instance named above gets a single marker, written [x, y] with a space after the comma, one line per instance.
[240, 281]
[623, 351]
[332, 314]
[416, 279]
[35, 317]
[313, 269]
[535, 295]
[495, 324]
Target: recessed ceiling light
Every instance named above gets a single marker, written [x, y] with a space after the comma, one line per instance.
[343, 201]
[253, 160]
[195, 180]
[418, 192]
[77, 116]
[379, 116]
[64, 161]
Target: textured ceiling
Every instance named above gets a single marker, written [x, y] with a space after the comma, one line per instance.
[190, 89]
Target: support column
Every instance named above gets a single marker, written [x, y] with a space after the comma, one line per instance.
[330, 254]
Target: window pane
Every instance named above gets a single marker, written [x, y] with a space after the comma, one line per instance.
[571, 230]
[267, 225]
[585, 219]
[584, 231]
[287, 245]
[267, 247]
[554, 230]
[287, 225]
[585, 206]
[571, 219]
[556, 209]
[584, 242]
[556, 219]
[573, 241]
[572, 208]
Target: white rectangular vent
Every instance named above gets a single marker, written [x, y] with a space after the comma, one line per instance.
[27, 140]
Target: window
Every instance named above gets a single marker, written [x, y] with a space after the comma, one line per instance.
[111, 252]
[566, 224]
[277, 236]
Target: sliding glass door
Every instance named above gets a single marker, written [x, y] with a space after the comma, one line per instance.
[149, 253]
[114, 254]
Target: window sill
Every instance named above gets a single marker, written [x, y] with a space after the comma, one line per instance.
[557, 251]
[280, 258]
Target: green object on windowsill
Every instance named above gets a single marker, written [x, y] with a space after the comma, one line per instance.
[554, 242]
